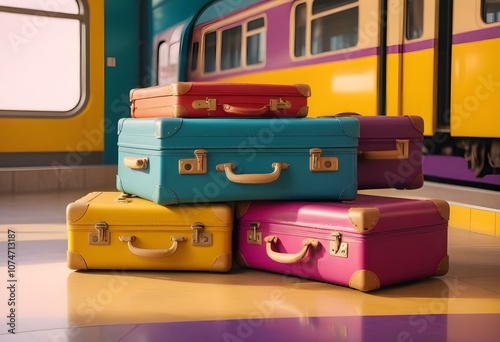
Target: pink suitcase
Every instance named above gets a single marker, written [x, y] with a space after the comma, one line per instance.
[389, 151]
[215, 99]
[365, 244]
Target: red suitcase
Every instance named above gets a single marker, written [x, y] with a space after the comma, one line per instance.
[389, 151]
[214, 99]
[365, 244]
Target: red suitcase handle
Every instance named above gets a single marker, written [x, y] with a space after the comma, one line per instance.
[244, 111]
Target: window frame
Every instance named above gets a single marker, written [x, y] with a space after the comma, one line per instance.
[83, 18]
[245, 34]
[307, 49]
[484, 14]
[412, 23]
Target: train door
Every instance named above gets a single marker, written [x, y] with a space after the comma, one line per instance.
[419, 50]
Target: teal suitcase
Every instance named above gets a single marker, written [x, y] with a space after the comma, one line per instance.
[175, 160]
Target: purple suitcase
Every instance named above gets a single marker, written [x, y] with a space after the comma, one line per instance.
[389, 151]
[365, 244]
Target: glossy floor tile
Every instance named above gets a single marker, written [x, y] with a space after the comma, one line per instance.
[53, 303]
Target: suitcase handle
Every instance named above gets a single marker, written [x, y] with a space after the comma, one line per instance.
[255, 178]
[152, 253]
[286, 258]
[401, 152]
[244, 111]
[135, 163]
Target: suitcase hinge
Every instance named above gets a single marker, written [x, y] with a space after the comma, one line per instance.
[337, 247]
[208, 104]
[277, 104]
[317, 163]
[194, 166]
[253, 236]
[201, 238]
[101, 237]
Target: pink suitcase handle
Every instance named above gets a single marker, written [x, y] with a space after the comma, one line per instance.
[255, 178]
[244, 111]
[288, 258]
[152, 253]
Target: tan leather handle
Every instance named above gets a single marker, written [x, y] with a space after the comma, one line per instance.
[401, 152]
[287, 258]
[152, 253]
[252, 178]
[136, 163]
[244, 111]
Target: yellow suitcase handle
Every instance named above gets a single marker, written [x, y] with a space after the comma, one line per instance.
[288, 258]
[152, 253]
[255, 178]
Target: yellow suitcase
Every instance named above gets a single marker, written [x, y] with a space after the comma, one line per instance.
[111, 230]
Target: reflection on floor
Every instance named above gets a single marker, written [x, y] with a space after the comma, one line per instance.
[53, 303]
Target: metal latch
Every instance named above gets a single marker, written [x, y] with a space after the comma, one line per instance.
[337, 247]
[201, 238]
[124, 198]
[253, 236]
[276, 104]
[317, 163]
[194, 166]
[208, 104]
[101, 236]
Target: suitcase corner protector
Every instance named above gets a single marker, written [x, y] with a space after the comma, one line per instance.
[222, 263]
[241, 208]
[240, 259]
[364, 280]
[443, 208]
[417, 122]
[75, 211]
[418, 182]
[363, 219]
[443, 266]
[303, 89]
[76, 261]
[223, 213]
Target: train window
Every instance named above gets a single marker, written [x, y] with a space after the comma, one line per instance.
[210, 52]
[231, 48]
[255, 42]
[414, 19]
[491, 11]
[325, 5]
[194, 55]
[43, 54]
[300, 30]
[334, 31]
[163, 63]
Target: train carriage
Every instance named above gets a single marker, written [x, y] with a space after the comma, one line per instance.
[435, 59]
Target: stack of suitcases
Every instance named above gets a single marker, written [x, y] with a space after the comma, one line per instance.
[211, 173]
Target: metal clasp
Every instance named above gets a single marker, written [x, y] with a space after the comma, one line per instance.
[317, 163]
[201, 238]
[337, 247]
[276, 104]
[194, 166]
[253, 236]
[208, 104]
[101, 237]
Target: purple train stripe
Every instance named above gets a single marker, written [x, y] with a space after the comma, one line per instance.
[478, 35]
[411, 47]
[282, 61]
